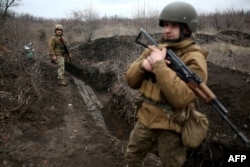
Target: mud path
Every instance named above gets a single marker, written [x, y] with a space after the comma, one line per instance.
[61, 131]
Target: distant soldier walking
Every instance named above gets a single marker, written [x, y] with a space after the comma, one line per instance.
[57, 53]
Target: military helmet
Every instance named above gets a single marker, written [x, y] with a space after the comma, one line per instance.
[180, 12]
[58, 27]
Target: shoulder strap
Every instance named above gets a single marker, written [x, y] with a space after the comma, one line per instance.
[62, 40]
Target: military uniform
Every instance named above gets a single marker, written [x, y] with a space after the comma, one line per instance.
[56, 49]
[168, 101]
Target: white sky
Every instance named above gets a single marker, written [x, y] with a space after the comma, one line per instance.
[123, 8]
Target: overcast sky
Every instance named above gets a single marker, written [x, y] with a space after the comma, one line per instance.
[123, 8]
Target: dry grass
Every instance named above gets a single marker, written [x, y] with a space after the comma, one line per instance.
[113, 30]
[229, 56]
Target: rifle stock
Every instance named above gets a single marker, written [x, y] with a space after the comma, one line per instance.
[196, 84]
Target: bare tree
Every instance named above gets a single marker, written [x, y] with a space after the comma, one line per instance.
[86, 21]
[202, 21]
[234, 19]
[216, 20]
[5, 5]
[146, 17]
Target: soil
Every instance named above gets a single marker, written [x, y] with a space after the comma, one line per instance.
[69, 126]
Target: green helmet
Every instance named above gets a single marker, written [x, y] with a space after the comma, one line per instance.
[58, 27]
[180, 12]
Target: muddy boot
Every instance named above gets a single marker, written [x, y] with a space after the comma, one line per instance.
[61, 82]
[64, 80]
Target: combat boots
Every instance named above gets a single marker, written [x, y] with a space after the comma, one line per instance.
[61, 82]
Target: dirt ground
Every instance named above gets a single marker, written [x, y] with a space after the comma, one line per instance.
[61, 130]
[58, 131]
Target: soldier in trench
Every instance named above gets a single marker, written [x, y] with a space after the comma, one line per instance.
[168, 102]
[57, 53]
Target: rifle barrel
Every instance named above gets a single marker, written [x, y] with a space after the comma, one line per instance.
[221, 110]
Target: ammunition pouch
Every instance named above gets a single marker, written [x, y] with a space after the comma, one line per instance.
[194, 129]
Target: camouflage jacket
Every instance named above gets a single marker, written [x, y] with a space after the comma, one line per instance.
[56, 46]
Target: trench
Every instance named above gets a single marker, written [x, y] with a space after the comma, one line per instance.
[208, 154]
[93, 88]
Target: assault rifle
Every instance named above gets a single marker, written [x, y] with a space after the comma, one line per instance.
[65, 48]
[194, 82]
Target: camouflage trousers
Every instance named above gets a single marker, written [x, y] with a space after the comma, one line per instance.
[61, 67]
[169, 145]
